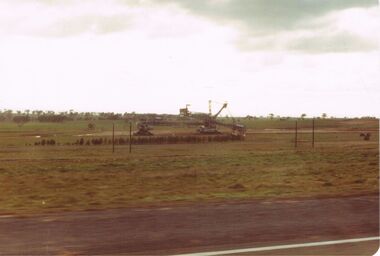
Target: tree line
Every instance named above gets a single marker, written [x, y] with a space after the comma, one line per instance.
[21, 117]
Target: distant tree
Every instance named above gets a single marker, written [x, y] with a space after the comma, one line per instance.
[88, 116]
[51, 118]
[368, 117]
[303, 116]
[324, 115]
[8, 114]
[21, 120]
[271, 115]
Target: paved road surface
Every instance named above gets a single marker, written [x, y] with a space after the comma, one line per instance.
[196, 228]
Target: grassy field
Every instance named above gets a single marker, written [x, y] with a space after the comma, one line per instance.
[36, 179]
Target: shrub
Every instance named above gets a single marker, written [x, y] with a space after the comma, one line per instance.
[91, 126]
[20, 120]
[51, 118]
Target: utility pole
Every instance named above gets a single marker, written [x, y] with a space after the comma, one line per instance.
[130, 137]
[113, 138]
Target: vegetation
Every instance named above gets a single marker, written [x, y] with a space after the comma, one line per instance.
[20, 120]
[61, 176]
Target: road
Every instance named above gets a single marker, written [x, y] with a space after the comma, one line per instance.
[192, 228]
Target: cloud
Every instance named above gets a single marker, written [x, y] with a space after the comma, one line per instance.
[58, 18]
[305, 25]
[87, 24]
[339, 42]
[64, 18]
[269, 15]
[285, 25]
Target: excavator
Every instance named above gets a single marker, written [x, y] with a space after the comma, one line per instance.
[209, 122]
[143, 129]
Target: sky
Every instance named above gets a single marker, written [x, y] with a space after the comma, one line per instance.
[285, 57]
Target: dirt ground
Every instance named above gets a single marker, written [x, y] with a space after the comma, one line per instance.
[192, 228]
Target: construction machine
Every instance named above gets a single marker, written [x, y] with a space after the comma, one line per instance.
[184, 112]
[238, 130]
[209, 123]
[143, 129]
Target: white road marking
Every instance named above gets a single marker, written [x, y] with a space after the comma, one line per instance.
[277, 247]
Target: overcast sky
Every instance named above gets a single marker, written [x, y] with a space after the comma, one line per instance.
[285, 57]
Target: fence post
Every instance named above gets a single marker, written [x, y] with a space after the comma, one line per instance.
[113, 138]
[295, 139]
[130, 137]
[313, 133]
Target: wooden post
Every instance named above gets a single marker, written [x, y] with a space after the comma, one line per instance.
[113, 138]
[130, 137]
[295, 139]
[313, 133]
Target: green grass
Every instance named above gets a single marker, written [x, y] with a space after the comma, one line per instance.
[37, 179]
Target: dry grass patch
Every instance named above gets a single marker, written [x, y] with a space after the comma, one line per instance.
[38, 179]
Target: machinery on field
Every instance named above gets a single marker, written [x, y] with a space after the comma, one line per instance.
[366, 136]
[237, 130]
[143, 129]
[209, 122]
[184, 112]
